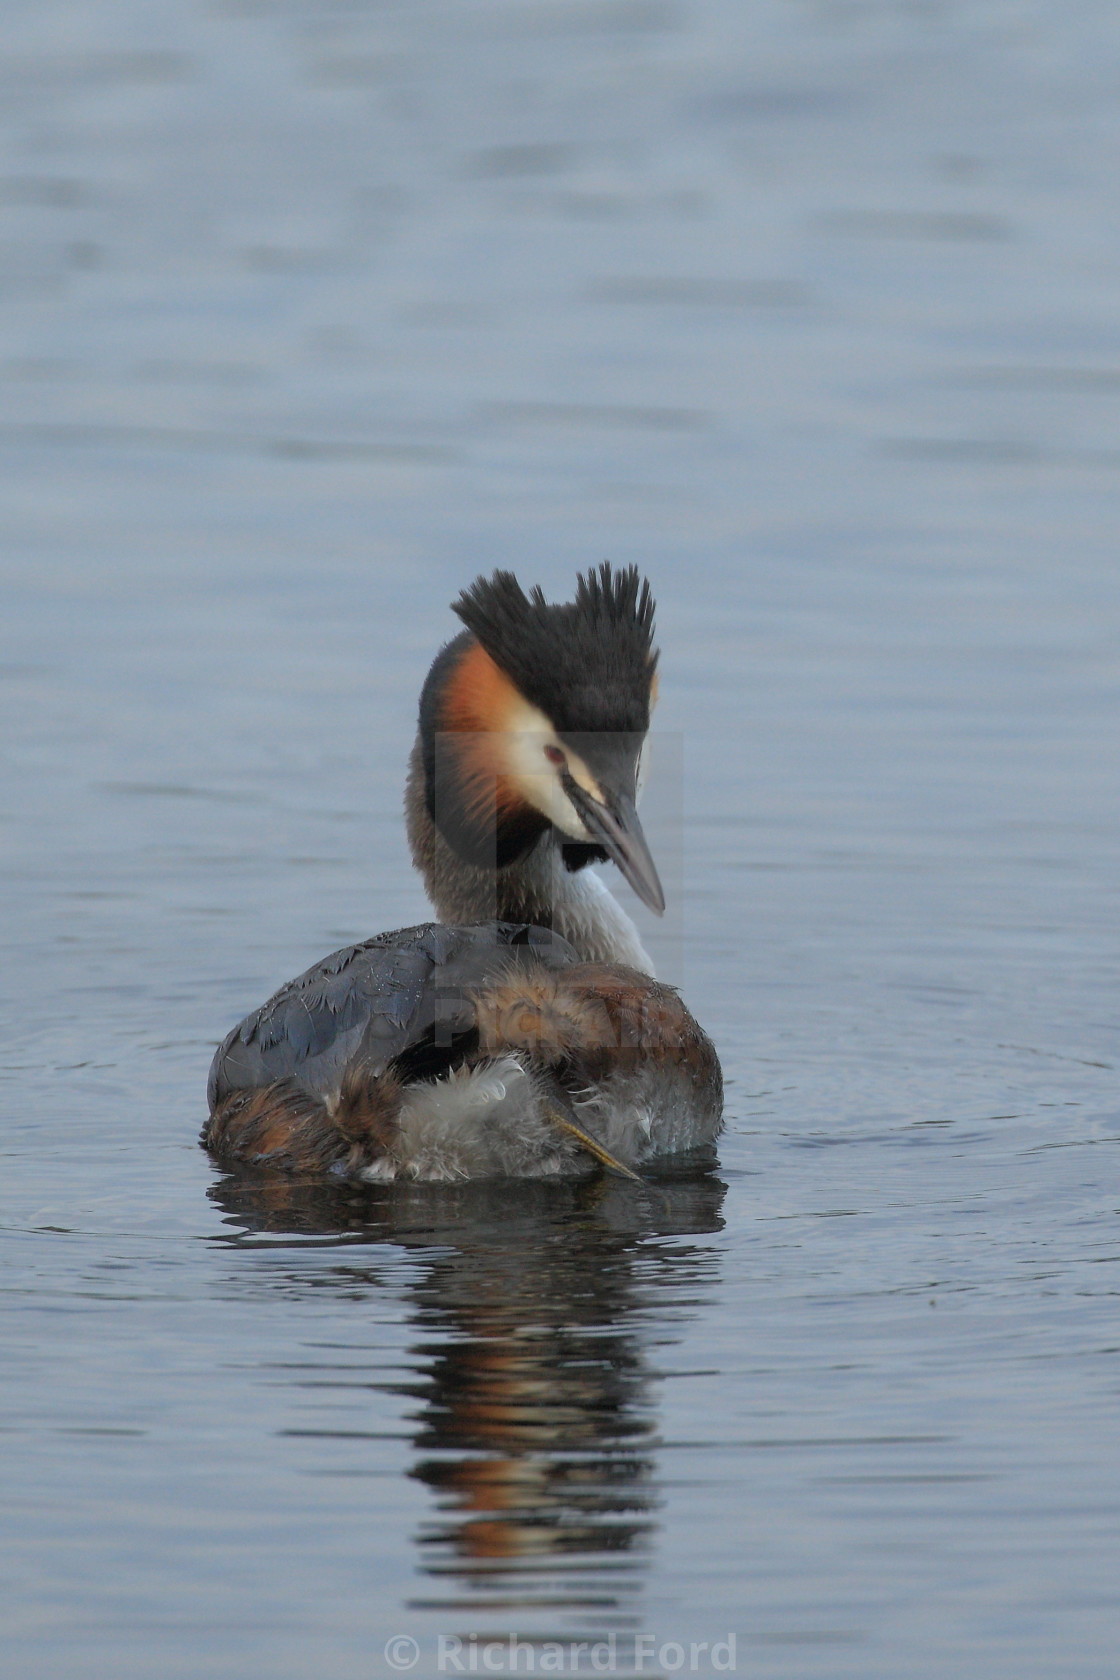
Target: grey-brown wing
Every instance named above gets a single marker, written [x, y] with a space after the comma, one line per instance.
[371, 1003]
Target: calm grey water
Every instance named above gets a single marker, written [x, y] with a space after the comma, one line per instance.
[311, 311]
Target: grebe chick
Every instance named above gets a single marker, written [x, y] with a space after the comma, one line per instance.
[524, 1035]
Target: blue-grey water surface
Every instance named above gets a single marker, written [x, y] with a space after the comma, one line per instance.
[311, 310]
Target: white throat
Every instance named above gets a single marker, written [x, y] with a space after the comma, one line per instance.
[538, 889]
[578, 904]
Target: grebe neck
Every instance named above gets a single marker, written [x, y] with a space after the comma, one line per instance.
[538, 888]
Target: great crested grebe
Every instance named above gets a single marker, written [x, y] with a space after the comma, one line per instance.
[524, 1034]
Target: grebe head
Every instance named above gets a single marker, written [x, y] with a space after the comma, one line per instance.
[534, 718]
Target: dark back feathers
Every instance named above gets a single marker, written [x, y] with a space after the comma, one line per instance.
[401, 998]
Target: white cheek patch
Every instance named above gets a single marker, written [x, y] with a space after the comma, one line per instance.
[538, 782]
[581, 774]
[537, 779]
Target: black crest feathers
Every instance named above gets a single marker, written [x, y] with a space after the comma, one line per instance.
[587, 664]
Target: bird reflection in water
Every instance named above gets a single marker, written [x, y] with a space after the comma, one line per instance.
[535, 1311]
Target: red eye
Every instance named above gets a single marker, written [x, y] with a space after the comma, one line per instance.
[554, 755]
